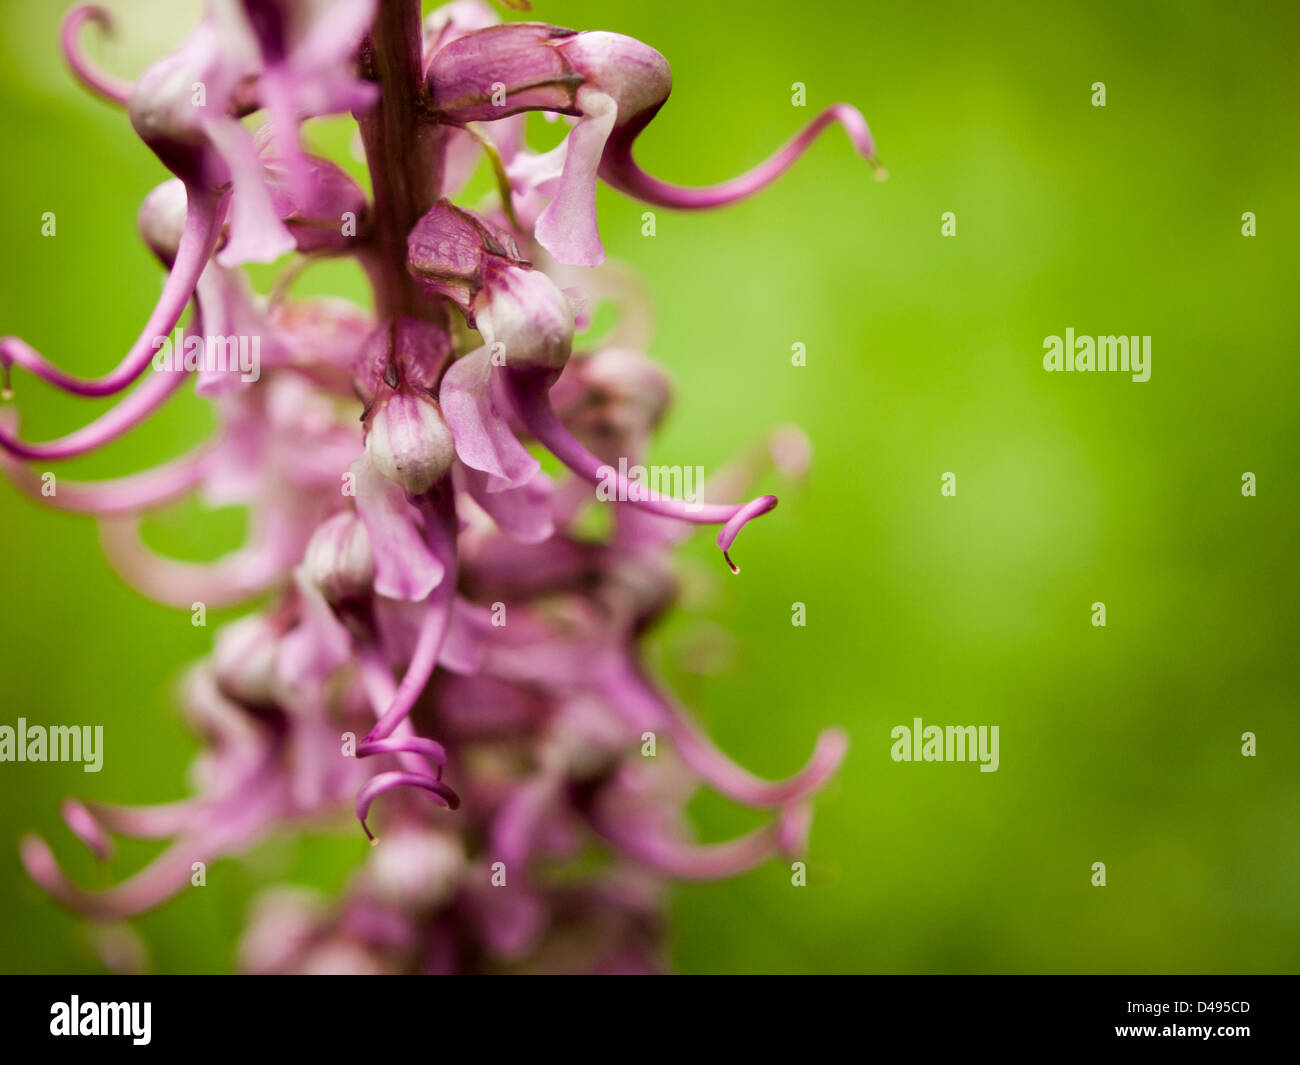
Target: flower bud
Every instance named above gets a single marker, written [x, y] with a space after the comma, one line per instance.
[161, 220]
[415, 869]
[283, 925]
[176, 103]
[547, 66]
[408, 441]
[244, 660]
[523, 311]
[632, 392]
[161, 106]
[338, 559]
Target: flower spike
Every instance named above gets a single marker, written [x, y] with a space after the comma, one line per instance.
[436, 611]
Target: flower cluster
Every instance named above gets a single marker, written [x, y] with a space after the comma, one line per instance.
[447, 649]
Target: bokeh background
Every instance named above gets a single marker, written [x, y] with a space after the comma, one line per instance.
[1120, 744]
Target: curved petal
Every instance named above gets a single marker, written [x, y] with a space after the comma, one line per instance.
[567, 228]
[197, 241]
[527, 393]
[405, 567]
[440, 521]
[226, 582]
[104, 85]
[256, 233]
[620, 171]
[122, 495]
[484, 439]
[383, 782]
[656, 849]
[108, 427]
[523, 513]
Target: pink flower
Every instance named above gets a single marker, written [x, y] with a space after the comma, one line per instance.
[442, 652]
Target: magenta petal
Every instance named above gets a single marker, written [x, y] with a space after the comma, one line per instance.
[513, 920]
[122, 495]
[514, 830]
[317, 647]
[462, 646]
[484, 439]
[440, 533]
[747, 513]
[523, 513]
[118, 420]
[431, 749]
[256, 233]
[199, 234]
[108, 86]
[668, 854]
[84, 826]
[240, 575]
[156, 882]
[620, 171]
[567, 228]
[528, 394]
[382, 782]
[405, 568]
[331, 39]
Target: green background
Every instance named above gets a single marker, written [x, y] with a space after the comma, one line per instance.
[1120, 744]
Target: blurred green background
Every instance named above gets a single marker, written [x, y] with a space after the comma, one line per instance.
[1120, 744]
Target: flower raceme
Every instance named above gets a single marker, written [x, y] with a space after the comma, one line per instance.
[441, 648]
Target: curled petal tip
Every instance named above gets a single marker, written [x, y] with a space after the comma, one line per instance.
[80, 14]
[835, 742]
[747, 513]
[83, 825]
[107, 86]
[791, 451]
[792, 830]
[384, 782]
[715, 768]
[527, 394]
[38, 860]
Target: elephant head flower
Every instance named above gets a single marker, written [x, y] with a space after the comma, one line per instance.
[438, 647]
